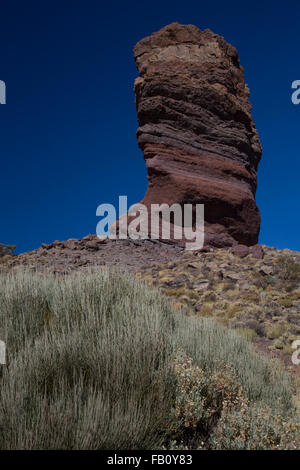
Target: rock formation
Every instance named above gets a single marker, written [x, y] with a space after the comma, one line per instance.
[196, 132]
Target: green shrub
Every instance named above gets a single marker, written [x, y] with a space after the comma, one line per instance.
[212, 411]
[6, 249]
[212, 345]
[275, 331]
[98, 376]
[246, 426]
[199, 399]
[248, 333]
[287, 303]
[262, 281]
[6, 252]
[289, 269]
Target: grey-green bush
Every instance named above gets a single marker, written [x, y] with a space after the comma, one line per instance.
[89, 363]
[212, 345]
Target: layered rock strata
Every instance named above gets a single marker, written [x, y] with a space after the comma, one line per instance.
[196, 131]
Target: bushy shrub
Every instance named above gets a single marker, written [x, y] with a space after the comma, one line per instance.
[199, 399]
[6, 249]
[212, 345]
[6, 252]
[248, 333]
[212, 411]
[262, 281]
[246, 426]
[289, 269]
[89, 364]
[275, 331]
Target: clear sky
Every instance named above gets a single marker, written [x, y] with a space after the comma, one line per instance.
[67, 135]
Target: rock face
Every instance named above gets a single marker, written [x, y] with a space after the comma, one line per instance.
[196, 132]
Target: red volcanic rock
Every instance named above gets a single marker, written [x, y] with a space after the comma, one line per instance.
[196, 131]
[92, 245]
[241, 250]
[257, 252]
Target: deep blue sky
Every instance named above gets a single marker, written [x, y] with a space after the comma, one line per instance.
[67, 136]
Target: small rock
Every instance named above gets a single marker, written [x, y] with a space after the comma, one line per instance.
[71, 244]
[58, 244]
[212, 266]
[89, 237]
[240, 250]
[257, 252]
[201, 287]
[205, 249]
[194, 265]
[102, 239]
[171, 265]
[92, 245]
[233, 276]
[224, 265]
[267, 270]
[46, 247]
[202, 284]
[246, 286]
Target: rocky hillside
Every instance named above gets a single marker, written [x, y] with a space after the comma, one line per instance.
[256, 291]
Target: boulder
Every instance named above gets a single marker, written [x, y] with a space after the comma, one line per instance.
[257, 252]
[241, 250]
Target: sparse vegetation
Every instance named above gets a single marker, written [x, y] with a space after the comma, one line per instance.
[243, 294]
[213, 412]
[6, 252]
[101, 361]
[248, 333]
[289, 269]
[254, 427]
[275, 331]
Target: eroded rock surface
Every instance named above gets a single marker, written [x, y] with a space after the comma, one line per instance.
[196, 131]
